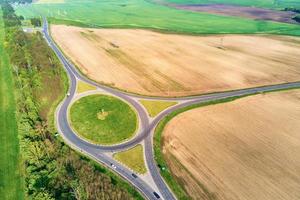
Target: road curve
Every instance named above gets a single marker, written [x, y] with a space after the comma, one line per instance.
[98, 152]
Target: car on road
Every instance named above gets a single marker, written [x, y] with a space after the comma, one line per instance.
[113, 166]
[156, 195]
[68, 94]
[134, 175]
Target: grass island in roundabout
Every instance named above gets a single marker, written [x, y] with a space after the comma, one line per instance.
[103, 119]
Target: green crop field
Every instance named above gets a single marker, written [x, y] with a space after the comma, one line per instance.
[11, 183]
[276, 4]
[144, 14]
[103, 119]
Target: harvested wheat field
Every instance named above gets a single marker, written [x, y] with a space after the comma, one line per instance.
[152, 63]
[245, 149]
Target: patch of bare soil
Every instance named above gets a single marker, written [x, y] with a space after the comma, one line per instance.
[246, 149]
[240, 11]
[152, 63]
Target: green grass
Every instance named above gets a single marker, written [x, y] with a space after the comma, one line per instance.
[11, 181]
[83, 87]
[103, 119]
[155, 107]
[55, 85]
[133, 158]
[277, 4]
[143, 14]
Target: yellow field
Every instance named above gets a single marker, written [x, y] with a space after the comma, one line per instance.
[155, 107]
[84, 87]
[133, 158]
[159, 64]
[246, 149]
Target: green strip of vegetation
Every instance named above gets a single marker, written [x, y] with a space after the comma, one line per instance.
[155, 107]
[52, 169]
[158, 142]
[11, 180]
[103, 119]
[143, 14]
[133, 158]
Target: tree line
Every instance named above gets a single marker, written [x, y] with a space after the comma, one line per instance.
[295, 10]
[297, 18]
[51, 169]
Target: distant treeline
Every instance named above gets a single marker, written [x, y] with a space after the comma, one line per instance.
[51, 169]
[296, 10]
[297, 18]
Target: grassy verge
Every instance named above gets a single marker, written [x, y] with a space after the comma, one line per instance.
[155, 107]
[11, 180]
[158, 142]
[103, 119]
[142, 14]
[83, 87]
[133, 158]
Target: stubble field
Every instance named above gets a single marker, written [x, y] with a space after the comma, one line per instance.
[245, 149]
[153, 63]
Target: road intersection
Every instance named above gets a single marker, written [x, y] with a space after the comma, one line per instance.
[152, 182]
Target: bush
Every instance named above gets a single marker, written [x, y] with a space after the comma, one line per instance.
[36, 22]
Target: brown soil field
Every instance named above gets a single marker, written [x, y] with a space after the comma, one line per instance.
[158, 64]
[246, 149]
[241, 11]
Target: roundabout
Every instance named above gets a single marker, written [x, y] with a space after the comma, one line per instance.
[151, 185]
[103, 119]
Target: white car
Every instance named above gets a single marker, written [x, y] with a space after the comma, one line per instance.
[113, 166]
[68, 94]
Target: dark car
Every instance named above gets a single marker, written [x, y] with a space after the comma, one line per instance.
[156, 195]
[134, 175]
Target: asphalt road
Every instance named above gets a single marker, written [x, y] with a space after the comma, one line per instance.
[97, 152]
